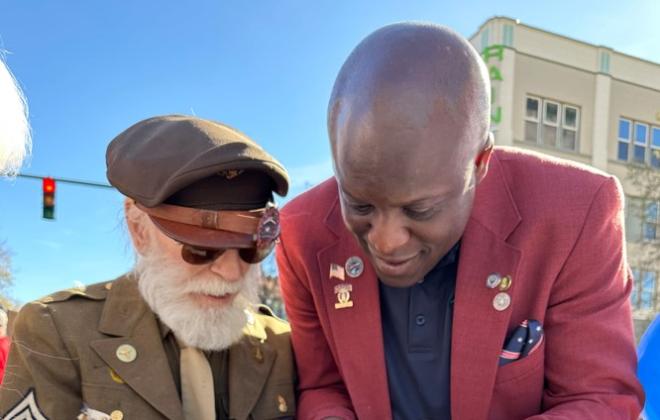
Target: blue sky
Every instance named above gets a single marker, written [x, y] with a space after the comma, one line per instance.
[90, 69]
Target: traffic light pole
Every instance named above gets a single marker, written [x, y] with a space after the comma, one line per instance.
[68, 181]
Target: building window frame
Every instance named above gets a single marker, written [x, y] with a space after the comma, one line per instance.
[635, 148]
[551, 132]
[623, 150]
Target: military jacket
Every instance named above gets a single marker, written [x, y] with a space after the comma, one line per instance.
[99, 351]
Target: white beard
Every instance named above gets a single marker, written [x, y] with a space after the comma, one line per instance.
[166, 286]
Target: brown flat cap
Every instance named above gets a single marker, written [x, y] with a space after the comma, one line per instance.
[202, 183]
[187, 158]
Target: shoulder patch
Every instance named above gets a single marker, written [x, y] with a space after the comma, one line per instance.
[26, 409]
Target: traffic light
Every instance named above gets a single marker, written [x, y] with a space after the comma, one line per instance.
[49, 198]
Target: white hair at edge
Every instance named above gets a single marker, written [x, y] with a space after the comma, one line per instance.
[165, 287]
[15, 139]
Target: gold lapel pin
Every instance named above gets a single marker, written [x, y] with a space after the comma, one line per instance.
[343, 292]
[505, 284]
[115, 377]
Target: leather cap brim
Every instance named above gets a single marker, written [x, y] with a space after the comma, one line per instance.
[201, 237]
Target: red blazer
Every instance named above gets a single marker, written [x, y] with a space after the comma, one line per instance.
[555, 227]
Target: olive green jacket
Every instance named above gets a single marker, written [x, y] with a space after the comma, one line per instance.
[65, 357]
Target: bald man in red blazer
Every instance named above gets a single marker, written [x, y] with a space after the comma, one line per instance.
[555, 228]
[512, 262]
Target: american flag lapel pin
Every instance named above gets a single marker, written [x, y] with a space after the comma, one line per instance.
[337, 271]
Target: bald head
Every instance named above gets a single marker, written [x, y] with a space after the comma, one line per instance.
[413, 78]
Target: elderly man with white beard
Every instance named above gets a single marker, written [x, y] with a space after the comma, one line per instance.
[181, 336]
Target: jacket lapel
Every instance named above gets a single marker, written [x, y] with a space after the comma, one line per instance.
[250, 362]
[356, 329]
[127, 317]
[479, 329]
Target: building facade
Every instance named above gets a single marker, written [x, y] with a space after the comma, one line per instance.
[590, 104]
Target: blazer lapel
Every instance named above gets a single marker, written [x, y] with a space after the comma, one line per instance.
[127, 317]
[250, 362]
[356, 328]
[479, 329]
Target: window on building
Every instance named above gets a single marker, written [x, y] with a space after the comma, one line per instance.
[532, 119]
[551, 123]
[642, 220]
[655, 147]
[569, 127]
[643, 292]
[639, 143]
[624, 139]
[641, 136]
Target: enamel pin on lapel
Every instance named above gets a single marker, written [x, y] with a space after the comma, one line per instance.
[501, 301]
[343, 292]
[505, 284]
[354, 267]
[126, 353]
[337, 272]
[493, 280]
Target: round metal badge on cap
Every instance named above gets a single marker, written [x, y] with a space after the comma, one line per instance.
[493, 280]
[501, 301]
[354, 267]
[116, 415]
[126, 353]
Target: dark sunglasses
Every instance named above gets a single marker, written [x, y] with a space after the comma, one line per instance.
[199, 256]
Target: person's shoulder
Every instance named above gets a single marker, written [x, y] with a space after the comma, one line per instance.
[71, 304]
[98, 291]
[530, 166]
[319, 197]
[271, 323]
[552, 189]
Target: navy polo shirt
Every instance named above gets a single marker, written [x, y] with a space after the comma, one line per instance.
[417, 341]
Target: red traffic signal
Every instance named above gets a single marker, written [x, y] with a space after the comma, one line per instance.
[49, 198]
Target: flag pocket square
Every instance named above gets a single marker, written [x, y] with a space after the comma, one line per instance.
[524, 340]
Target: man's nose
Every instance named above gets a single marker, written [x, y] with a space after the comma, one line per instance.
[229, 266]
[387, 235]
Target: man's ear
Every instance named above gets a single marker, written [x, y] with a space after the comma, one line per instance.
[483, 158]
[137, 226]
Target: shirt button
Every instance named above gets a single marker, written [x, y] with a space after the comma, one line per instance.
[420, 320]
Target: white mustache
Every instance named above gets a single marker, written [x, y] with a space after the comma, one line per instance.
[213, 287]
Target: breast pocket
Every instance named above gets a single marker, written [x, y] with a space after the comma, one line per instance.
[518, 388]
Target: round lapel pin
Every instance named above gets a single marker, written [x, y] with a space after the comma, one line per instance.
[126, 353]
[354, 267]
[505, 284]
[493, 280]
[501, 301]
